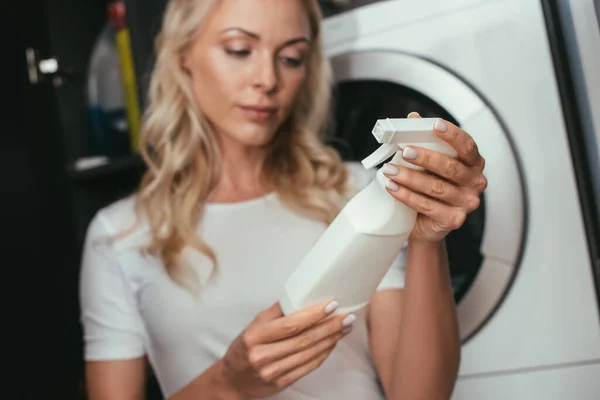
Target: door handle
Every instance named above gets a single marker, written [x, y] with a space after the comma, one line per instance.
[41, 69]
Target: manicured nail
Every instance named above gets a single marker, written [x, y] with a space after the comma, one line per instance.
[349, 320]
[393, 186]
[390, 169]
[409, 153]
[331, 307]
[413, 114]
[440, 125]
[347, 330]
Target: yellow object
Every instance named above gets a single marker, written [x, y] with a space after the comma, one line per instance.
[129, 87]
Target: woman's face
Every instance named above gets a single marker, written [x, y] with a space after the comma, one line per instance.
[247, 65]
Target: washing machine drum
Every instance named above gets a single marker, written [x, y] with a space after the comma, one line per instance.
[356, 105]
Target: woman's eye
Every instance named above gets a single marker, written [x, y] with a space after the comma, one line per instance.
[237, 53]
[292, 62]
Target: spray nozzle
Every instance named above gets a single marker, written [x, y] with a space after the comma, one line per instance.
[394, 134]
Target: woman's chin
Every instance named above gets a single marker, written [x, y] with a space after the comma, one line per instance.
[255, 138]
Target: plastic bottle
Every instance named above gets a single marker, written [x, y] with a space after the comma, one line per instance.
[349, 260]
[107, 113]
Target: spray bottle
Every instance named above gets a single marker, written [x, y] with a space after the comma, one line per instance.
[354, 253]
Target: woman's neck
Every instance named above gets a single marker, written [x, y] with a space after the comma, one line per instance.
[242, 176]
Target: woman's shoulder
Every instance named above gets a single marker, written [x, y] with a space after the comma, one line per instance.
[119, 218]
[118, 213]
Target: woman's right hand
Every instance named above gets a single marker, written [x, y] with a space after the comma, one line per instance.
[275, 351]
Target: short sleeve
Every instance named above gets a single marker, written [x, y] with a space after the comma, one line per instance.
[112, 326]
[395, 277]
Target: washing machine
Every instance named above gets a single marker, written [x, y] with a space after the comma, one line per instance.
[524, 264]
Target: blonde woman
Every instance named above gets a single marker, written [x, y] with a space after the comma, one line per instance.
[238, 188]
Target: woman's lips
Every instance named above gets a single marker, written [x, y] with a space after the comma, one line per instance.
[258, 113]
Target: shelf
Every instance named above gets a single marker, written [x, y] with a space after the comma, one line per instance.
[108, 168]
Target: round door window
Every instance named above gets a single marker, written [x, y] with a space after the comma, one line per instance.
[484, 252]
[356, 106]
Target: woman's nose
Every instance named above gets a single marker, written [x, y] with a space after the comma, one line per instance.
[265, 76]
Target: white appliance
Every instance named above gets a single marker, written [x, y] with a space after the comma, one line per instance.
[523, 264]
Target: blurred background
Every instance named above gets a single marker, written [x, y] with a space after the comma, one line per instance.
[522, 77]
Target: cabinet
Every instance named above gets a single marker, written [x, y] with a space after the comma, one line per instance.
[73, 28]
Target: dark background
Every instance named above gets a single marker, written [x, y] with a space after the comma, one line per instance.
[46, 205]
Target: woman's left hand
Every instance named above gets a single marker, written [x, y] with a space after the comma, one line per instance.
[447, 191]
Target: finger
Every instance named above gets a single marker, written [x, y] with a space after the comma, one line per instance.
[446, 217]
[461, 141]
[266, 353]
[286, 326]
[414, 114]
[295, 374]
[447, 167]
[432, 186]
[270, 313]
[272, 371]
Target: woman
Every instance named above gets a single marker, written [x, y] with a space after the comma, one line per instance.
[238, 188]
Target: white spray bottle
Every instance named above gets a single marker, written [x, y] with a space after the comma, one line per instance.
[352, 256]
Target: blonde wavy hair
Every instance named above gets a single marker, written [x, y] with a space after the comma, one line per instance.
[183, 155]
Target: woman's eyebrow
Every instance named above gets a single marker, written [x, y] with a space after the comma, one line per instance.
[256, 36]
[245, 32]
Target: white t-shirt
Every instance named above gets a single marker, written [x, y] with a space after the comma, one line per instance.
[130, 307]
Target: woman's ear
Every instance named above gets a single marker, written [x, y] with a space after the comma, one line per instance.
[184, 61]
[186, 58]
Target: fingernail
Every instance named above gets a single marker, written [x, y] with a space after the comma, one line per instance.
[440, 125]
[347, 330]
[413, 114]
[349, 320]
[331, 307]
[393, 186]
[390, 169]
[409, 153]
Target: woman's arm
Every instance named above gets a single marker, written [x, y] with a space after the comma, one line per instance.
[116, 380]
[210, 385]
[383, 321]
[414, 333]
[126, 380]
[113, 334]
[426, 342]
[270, 354]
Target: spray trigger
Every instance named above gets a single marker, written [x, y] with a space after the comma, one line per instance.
[396, 133]
[384, 152]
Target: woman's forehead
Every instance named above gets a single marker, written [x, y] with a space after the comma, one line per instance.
[264, 18]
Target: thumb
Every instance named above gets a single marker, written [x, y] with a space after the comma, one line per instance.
[271, 313]
[414, 114]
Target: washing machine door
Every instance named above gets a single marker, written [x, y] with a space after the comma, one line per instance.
[484, 252]
[336, 7]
